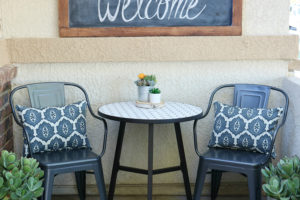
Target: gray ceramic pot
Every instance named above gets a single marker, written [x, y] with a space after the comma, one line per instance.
[143, 93]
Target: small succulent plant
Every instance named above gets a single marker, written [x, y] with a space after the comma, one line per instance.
[283, 180]
[146, 80]
[155, 91]
[19, 179]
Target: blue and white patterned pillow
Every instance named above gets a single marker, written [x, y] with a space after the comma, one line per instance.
[55, 128]
[250, 129]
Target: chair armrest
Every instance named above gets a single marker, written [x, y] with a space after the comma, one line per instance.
[196, 138]
[104, 136]
[196, 135]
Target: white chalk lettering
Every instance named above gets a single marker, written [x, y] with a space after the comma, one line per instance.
[174, 2]
[126, 4]
[150, 9]
[146, 10]
[166, 9]
[192, 5]
[108, 14]
[140, 3]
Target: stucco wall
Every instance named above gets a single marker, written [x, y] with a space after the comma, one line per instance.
[182, 81]
[35, 18]
[290, 147]
[189, 82]
[1, 19]
[152, 49]
[4, 56]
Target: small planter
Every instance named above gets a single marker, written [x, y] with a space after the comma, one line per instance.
[143, 93]
[155, 98]
[270, 198]
[145, 83]
[282, 179]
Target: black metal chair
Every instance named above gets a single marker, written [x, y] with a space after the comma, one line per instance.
[53, 163]
[244, 162]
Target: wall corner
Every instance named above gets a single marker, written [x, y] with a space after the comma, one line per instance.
[7, 73]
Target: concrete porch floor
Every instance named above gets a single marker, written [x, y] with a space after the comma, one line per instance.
[69, 197]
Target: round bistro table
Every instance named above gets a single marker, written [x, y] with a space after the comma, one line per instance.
[171, 112]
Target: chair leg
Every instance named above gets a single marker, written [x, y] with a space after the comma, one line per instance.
[202, 168]
[254, 184]
[48, 184]
[81, 184]
[216, 176]
[100, 181]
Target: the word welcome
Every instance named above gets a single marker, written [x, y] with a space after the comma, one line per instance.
[149, 9]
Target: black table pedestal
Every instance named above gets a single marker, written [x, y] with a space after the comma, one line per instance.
[150, 172]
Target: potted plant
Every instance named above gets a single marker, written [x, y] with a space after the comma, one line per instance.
[155, 95]
[19, 179]
[145, 83]
[283, 180]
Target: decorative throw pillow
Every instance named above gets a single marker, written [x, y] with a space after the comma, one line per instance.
[250, 129]
[55, 128]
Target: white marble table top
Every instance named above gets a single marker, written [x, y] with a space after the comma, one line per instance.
[171, 112]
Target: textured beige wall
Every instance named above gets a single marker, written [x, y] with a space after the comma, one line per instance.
[267, 17]
[183, 81]
[189, 82]
[4, 56]
[36, 18]
[291, 147]
[153, 49]
[29, 18]
[0, 18]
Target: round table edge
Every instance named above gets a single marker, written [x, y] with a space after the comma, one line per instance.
[151, 121]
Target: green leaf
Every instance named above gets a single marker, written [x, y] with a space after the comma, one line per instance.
[14, 196]
[26, 161]
[26, 169]
[6, 198]
[265, 173]
[291, 186]
[3, 192]
[39, 192]
[11, 158]
[1, 182]
[30, 183]
[19, 192]
[274, 182]
[37, 185]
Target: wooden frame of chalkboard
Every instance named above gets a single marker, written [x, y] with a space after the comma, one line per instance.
[65, 30]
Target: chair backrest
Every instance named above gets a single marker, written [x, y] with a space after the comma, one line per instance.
[51, 94]
[251, 96]
[46, 94]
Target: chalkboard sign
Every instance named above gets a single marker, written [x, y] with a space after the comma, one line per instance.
[149, 17]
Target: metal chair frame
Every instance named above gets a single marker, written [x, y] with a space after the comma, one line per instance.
[253, 172]
[93, 162]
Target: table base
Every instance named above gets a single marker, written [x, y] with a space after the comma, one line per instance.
[150, 172]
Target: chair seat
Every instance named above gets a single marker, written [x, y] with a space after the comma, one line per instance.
[65, 157]
[236, 157]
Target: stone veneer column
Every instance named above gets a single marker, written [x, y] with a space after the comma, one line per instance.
[7, 73]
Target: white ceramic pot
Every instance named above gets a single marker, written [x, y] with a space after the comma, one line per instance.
[143, 93]
[270, 198]
[154, 98]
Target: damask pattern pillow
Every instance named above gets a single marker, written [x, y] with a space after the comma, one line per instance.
[55, 128]
[250, 129]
